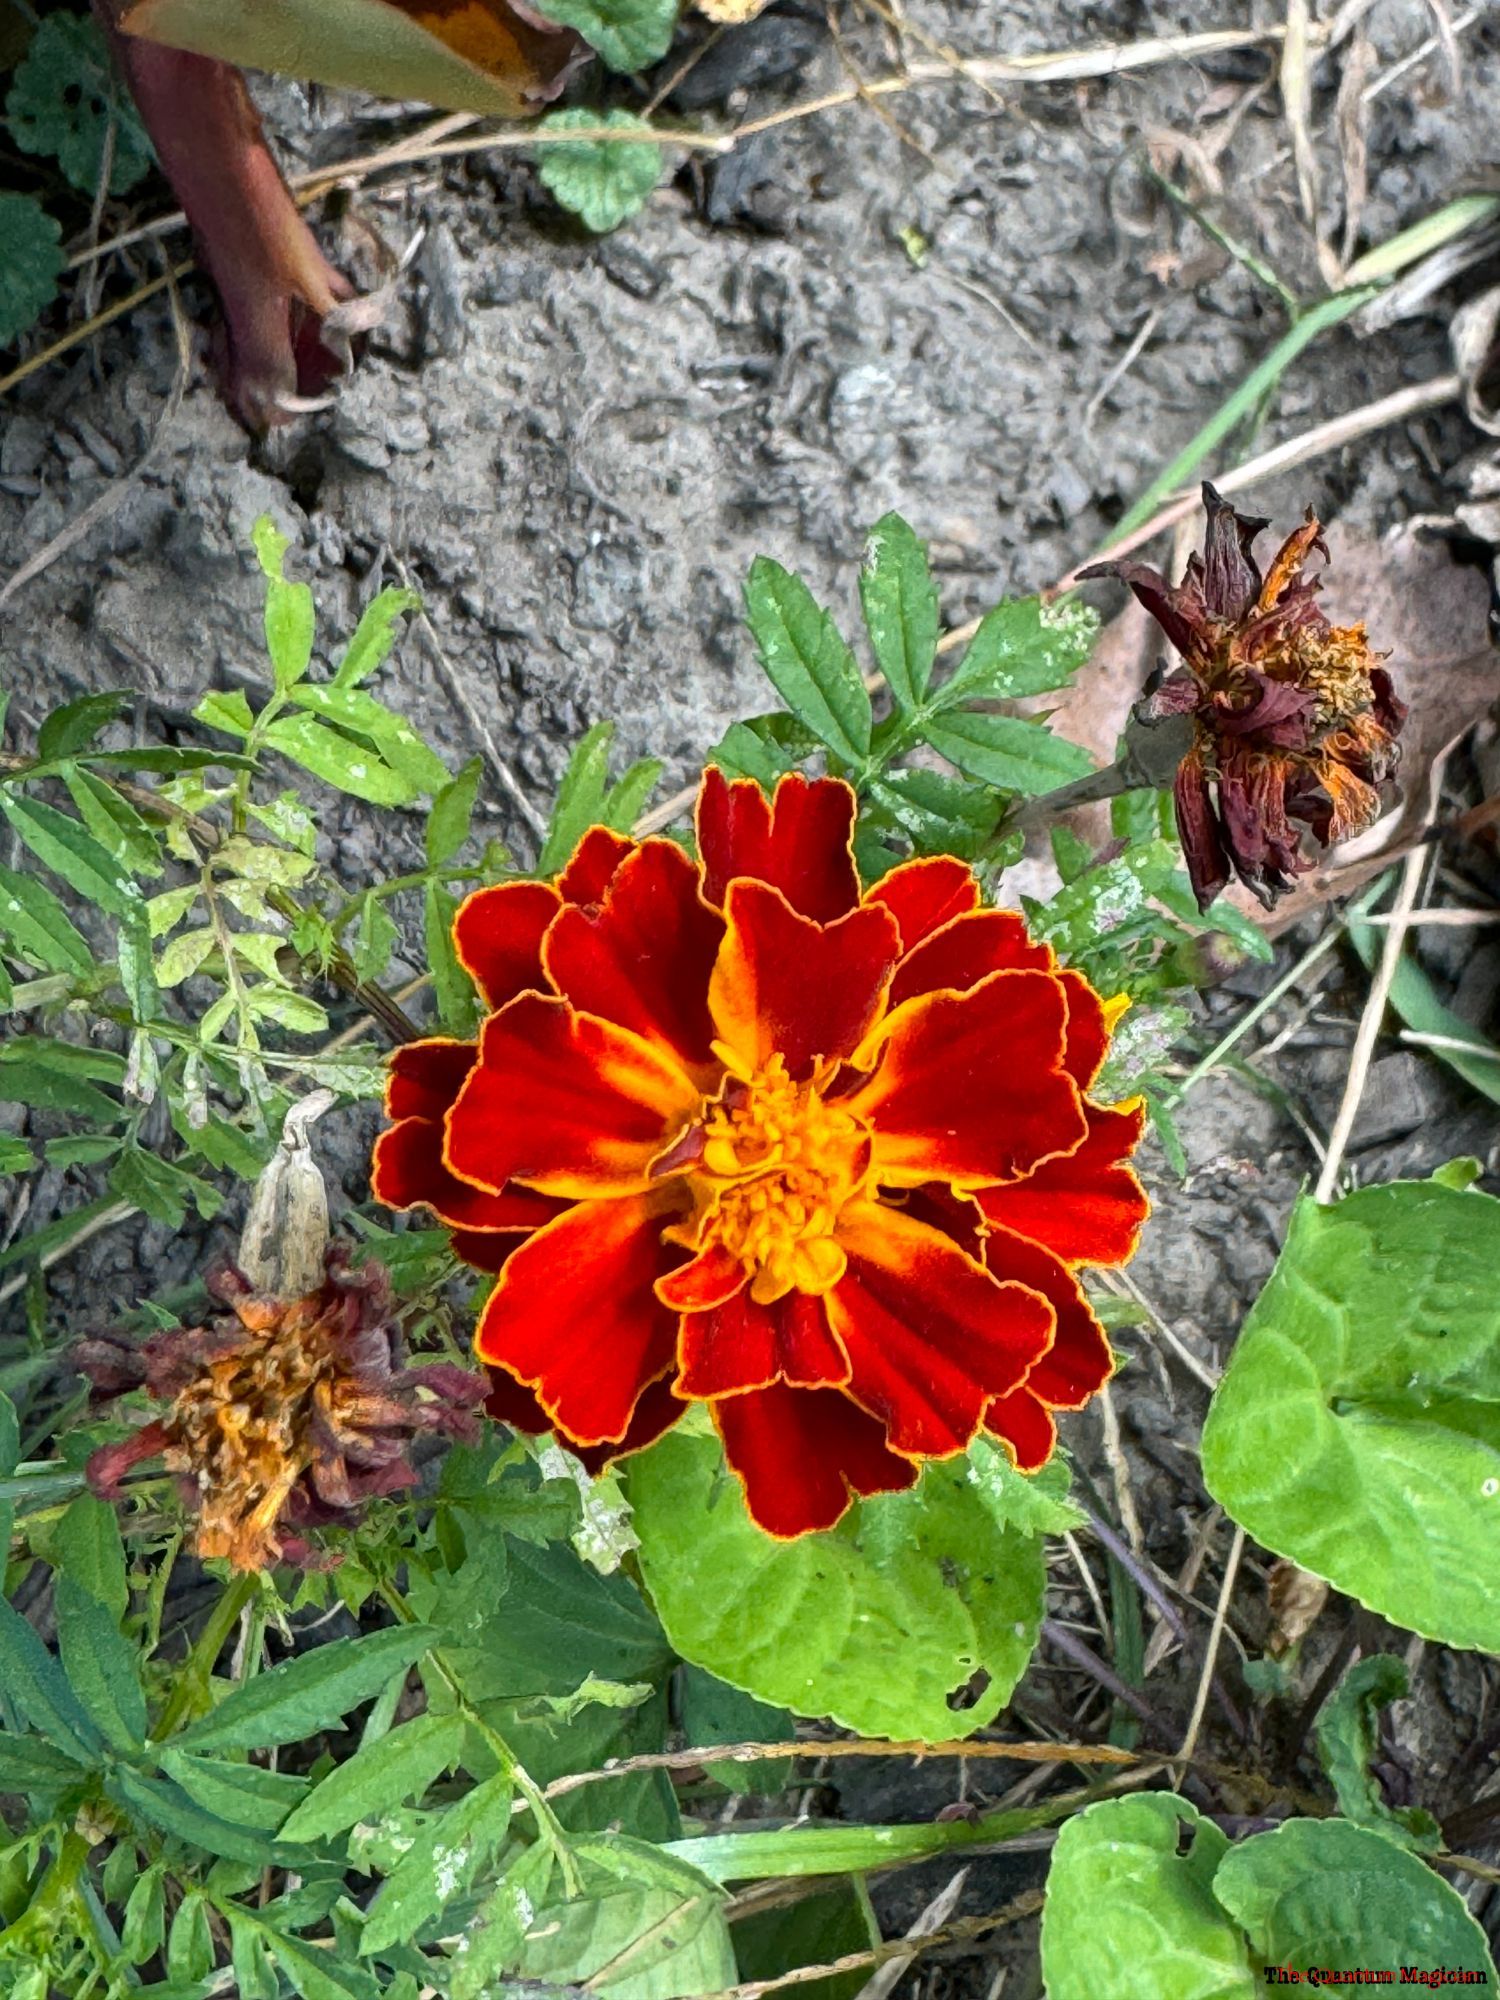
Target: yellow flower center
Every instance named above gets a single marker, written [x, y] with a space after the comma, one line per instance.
[778, 1166]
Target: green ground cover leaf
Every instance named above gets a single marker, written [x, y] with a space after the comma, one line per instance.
[1323, 1892]
[1348, 1740]
[628, 34]
[310, 1692]
[878, 1622]
[1127, 1914]
[31, 256]
[1357, 1427]
[601, 181]
[63, 101]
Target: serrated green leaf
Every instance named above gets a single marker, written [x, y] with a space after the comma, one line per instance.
[1129, 1915]
[378, 629]
[243, 1794]
[338, 760]
[625, 800]
[16, 1157]
[86, 1546]
[744, 752]
[38, 1688]
[647, 1934]
[187, 953]
[1359, 1416]
[38, 926]
[629, 34]
[807, 661]
[601, 181]
[452, 811]
[877, 1622]
[65, 97]
[393, 736]
[26, 1079]
[1007, 751]
[160, 1188]
[311, 1692]
[100, 1665]
[32, 258]
[319, 1975]
[60, 843]
[441, 1861]
[1021, 648]
[375, 937]
[71, 728]
[143, 1929]
[28, 1765]
[498, 1933]
[381, 1775]
[226, 709]
[190, 1944]
[580, 797]
[900, 604]
[291, 625]
[937, 813]
[1348, 1734]
[451, 985]
[114, 822]
[1320, 1892]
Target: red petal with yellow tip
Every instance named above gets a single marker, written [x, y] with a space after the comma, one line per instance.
[511, 1402]
[713, 1277]
[931, 1336]
[498, 937]
[1087, 1207]
[593, 864]
[568, 1103]
[785, 985]
[425, 1077]
[408, 1171]
[1026, 1425]
[970, 1087]
[803, 1455]
[1079, 1361]
[967, 950]
[642, 959]
[743, 1346]
[575, 1315]
[924, 895]
[799, 841]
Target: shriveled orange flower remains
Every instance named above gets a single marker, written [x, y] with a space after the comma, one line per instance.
[734, 1133]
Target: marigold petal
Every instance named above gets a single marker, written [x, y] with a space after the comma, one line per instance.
[1086, 1207]
[1087, 1042]
[931, 1336]
[967, 950]
[1023, 1423]
[803, 1455]
[742, 1345]
[643, 957]
[423, 1078]
[970, 1087]
[800, 841]
[925, 894]
[786, 985]
[1080, 1361]
[712, 1278]
[593, 864]
[511, 1402]
[498, 937]
[408, 1171]
[575, 1316]
[1198, 830]
[488, 1249]
[568, 1103]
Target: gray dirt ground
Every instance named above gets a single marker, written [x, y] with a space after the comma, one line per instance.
[576, 447]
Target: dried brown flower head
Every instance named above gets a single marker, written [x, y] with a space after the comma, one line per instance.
[1295, 719]
[281, 1414]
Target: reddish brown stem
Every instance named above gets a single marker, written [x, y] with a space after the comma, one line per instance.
[275, 284]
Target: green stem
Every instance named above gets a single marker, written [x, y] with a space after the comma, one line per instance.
[549, 1827]
[192, 1684]
[1258, 383]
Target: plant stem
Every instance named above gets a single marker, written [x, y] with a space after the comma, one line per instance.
[549, 1827]
[211, 1641]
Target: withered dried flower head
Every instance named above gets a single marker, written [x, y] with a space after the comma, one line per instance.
[1295, 719]
[281, 1414]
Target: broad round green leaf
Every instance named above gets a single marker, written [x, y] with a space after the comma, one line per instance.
[31, 248]
[601, 181]
[883, 1622]
[1325, 1893]
[1128, 1915]
[1357, 1427]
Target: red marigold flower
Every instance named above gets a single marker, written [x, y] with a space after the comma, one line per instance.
[282, 1414]
[735, 1133]
[1295, 720]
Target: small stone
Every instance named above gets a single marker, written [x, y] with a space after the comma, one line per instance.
[1400, 1094]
